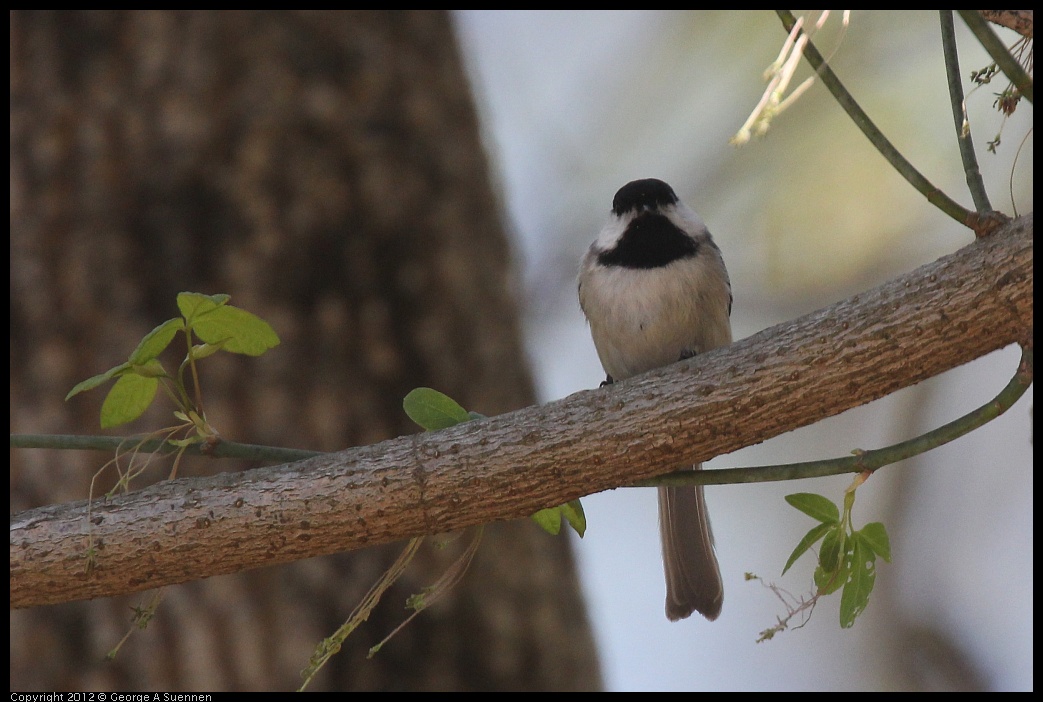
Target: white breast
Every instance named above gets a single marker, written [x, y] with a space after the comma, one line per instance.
[642, 319]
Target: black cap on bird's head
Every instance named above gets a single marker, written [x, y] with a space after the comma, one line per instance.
[646, 194]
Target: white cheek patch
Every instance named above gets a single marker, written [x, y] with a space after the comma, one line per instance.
[611, 232]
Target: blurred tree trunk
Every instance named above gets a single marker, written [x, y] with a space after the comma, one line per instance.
[325, 169]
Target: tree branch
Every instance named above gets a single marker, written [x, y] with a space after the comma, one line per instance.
[935, 318]
[1018, 20]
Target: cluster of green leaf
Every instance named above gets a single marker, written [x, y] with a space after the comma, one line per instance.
[218, 325]
[847, 557]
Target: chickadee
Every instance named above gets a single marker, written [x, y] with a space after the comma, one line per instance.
[654, 289]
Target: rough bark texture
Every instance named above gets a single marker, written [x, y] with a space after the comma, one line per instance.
[325, 170]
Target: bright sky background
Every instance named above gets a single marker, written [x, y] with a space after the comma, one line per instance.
[575, 105]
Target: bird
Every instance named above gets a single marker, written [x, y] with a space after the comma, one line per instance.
[654, 289]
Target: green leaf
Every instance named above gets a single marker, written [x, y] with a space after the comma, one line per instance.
[156, 341]
[832, 549]
[128, 399]
[807, 542]
[815, 506]
[859, 585]
[573, 512]
[235, 329]
[192, 305]
[433, 410]
[549, 520]
[96, 380]
[874, 535]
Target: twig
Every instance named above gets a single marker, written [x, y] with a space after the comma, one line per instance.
[959, 113]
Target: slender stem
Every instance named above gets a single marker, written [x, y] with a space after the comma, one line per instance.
[999, 53]
[959, 113]
[222, 449]
[935, 196]
[195, 372]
